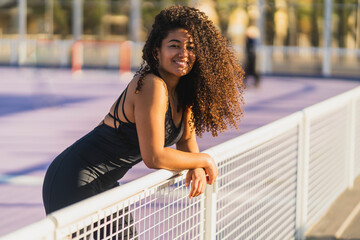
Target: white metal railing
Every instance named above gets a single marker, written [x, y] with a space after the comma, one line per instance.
[356, 133]
[329, 134]
[274, 183]
[256, 195]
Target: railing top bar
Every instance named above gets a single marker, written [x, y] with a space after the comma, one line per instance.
[338, 101]
[356, 92]
[254, 138]
[101, 201]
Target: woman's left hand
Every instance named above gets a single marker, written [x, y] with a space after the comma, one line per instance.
[198, 178]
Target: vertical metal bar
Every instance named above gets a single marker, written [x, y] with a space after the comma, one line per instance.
[178, 219]
[125, 56]
[77, 19]
[135, 20]
[49, 17]
[210, 213]
[202, 216]
[168, 209]
[265, 65]
[326, 61]
[22, 5]
[63, 53]
[14, 52]
[302, 177]
[357, 36]
[261, 22]
[350, 148]
[292, 24]
[77, 55]
[182, 204]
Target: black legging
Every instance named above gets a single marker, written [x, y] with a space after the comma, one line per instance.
[68, 181]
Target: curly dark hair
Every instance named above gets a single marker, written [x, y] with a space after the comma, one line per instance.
[214, 87]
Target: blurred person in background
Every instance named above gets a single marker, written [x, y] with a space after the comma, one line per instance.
[189, 82]
[252, 34]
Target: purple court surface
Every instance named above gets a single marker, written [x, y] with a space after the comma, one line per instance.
[42, 111]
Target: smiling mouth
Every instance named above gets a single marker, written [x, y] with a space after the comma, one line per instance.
[181, 63]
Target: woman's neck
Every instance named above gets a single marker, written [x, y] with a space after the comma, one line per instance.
[170, 81]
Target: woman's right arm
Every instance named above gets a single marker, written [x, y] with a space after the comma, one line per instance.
[150, 106]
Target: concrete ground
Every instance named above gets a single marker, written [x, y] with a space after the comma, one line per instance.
[342, 220]
[42, 111]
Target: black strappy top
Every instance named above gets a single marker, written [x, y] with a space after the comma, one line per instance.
[172, 132]
[116, 111]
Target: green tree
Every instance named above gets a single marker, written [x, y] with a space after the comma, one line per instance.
[62, 18]
[269, 22]
[94, 11]
[150, 8]
[224, 9]
[317, 9]
[343, 10]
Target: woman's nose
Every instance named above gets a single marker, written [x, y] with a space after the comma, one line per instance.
[183, 52]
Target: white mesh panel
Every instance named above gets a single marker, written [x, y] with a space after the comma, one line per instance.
[327, 163]
[162, 212]
[6, 48]
[49, 53]
[257, 191]
[357, 138]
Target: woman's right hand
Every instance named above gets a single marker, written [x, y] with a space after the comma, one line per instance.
[211, 170]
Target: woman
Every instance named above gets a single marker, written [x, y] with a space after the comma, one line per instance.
[190, 82]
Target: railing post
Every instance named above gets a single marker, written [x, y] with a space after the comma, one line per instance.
[265, 52]
[14, 54]
[210, 211]
[22, 18]
[135, 20]
[77, 22]
[63, 53]
[77, 56]
[302, 177]
[125, 57]
[326, 61]
[350, 146]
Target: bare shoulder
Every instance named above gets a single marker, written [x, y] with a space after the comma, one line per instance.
[152, 87]
[151, 83]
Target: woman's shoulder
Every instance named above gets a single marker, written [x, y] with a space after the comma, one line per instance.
[153, 90]
[151, 83]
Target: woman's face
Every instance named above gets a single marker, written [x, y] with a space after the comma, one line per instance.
[176, 55]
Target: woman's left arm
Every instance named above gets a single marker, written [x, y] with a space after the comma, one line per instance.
[188, 143]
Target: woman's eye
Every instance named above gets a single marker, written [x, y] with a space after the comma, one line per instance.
[174, 46]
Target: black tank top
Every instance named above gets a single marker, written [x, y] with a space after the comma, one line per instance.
[128, 133]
